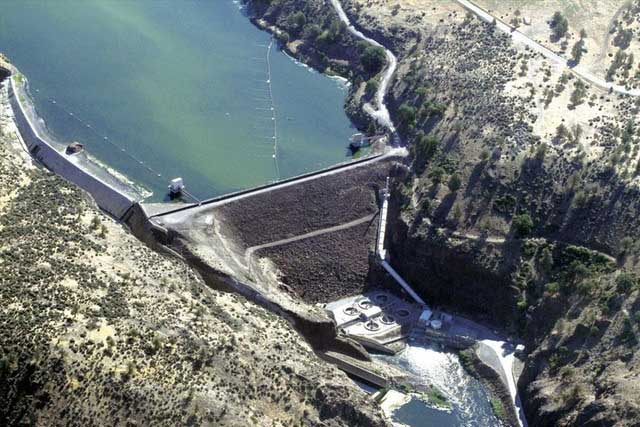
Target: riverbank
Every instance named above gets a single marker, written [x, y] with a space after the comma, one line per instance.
[333, 58]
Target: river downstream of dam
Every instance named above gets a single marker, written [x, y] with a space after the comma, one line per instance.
[196, 101]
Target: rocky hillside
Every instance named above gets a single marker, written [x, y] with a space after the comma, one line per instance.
[521, 205]
[97, 329]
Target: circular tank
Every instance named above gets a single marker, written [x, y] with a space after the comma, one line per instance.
[403, 312]
[365, 304]
[388, 320]
[351, 311]
[372, 326]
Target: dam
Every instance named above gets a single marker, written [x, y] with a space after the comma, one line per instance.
[289, 245]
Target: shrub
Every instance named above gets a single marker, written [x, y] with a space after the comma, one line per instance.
[552, 288]
[436, 174]
[454, 183]
[407, 115]
[498, 408]
[625, 282]
[522, 225]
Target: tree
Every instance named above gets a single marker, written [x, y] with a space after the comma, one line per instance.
[296, 22]
[625, 282]
[577, 133]
[454, 183]
[311, 31]
[546, 259]
[559, 26]
[425, 148]
[623, 39]
[436, 174]
[373, 59]
[407, 115]
[577, 51]
[372, 87]
[578, 94]
[522, 225]
[562, 132]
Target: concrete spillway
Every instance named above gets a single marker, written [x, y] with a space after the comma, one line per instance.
[402, 283]
[382, 225]
[381, 252]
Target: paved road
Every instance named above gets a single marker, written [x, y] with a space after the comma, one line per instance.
[381, 114]
[504, 358]
[519, 37]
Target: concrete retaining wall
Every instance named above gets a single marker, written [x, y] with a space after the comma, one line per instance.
[111, 195]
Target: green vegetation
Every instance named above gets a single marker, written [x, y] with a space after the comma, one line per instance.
[407, 116]
[424, 149]
[454, 182]
[578, 94]
[578, 50]
[498, 408]
[296, 22]
[372, 87]
[373, 58]
[623, 38]
[522, 225]
[435, 397]
[559, 26]
[436, 174]
[621, 61]
[626, 282]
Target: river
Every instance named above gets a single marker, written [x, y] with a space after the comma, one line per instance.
[178, 85]
[430, 366]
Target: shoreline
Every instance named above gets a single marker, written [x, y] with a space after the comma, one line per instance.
[112, 194]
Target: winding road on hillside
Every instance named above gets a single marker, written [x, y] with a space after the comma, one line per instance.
[380, 112]
[519, 37]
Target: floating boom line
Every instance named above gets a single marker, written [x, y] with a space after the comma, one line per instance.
[103, 137]
[273, 112]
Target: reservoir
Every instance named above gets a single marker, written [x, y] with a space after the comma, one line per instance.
[158, 89]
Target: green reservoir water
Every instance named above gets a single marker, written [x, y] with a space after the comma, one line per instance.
[179, 85]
